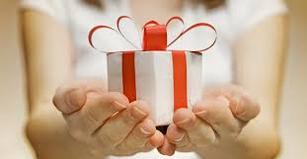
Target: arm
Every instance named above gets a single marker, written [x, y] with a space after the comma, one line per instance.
[221, 126]
[48, 54]
[260, 64]
[91, 114]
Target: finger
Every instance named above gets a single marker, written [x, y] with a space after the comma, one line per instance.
[178, 137]
[217, 114]
[199, 132]
[70, 97]
[226, 90]
[167, 148]
[117, 128]
[156, 140]
[244, 107]
[98, 108]
[241, 104]
[139, 136]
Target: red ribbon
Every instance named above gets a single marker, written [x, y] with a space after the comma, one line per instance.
[155, 38]
[128, 75]
[180, 80]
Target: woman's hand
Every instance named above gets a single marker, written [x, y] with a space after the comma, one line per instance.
[214, 125]
[106, 122]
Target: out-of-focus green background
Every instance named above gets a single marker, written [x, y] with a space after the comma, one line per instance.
[13, 111]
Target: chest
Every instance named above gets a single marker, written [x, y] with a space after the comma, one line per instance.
[217, 63]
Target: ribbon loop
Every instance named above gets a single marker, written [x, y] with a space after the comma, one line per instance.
[200, 30]
[156, 36]
[132, 35]
[174, 26]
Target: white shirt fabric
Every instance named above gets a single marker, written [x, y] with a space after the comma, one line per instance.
[231, 21]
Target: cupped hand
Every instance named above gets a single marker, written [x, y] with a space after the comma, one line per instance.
[215, 121]
[106, 122]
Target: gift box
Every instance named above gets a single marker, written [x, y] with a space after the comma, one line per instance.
[167, 79]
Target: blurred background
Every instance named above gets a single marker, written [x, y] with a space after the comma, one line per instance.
[13, 111]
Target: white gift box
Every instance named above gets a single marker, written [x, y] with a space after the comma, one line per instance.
[154, 80]
[167, 80]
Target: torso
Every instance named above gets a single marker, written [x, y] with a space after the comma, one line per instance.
[91, 64]
[218, 61]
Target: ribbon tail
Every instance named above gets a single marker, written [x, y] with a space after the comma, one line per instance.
[180, 79]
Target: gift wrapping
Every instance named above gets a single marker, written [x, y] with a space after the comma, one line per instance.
[167, 79]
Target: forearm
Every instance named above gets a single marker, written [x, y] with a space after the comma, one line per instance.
[262, 77]
[47, 132]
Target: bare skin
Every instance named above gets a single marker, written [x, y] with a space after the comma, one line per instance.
[87, 129]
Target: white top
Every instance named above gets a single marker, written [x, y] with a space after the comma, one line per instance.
[231, 21]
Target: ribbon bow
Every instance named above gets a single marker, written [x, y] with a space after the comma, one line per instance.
[155, 36]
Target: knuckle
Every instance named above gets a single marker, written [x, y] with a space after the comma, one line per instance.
[142, 105]
[234, 130]
[183, 145]
[129, 118]
[136, 113]
[92, 118]
[208, 140]
[199, 107]
[217, 123]
[74, 128]
[204, 136]
[108, 139]
[144, 131]
[118, 96]
[108, 99]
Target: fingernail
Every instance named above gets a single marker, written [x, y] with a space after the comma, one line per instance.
[147, 128]
[118, 105]
[235, 104]
[137, 112]
[75, 99]
[178, 136]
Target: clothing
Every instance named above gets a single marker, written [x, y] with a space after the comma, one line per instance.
[231, 21]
